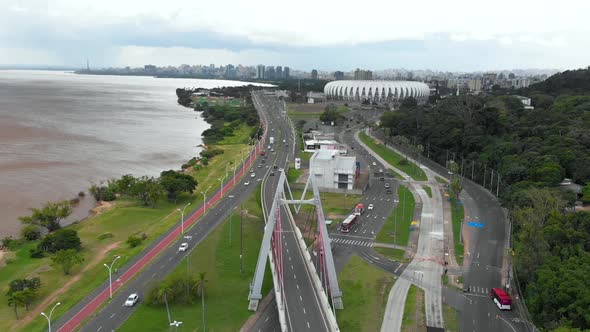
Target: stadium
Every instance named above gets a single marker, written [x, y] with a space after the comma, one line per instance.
[377, 91]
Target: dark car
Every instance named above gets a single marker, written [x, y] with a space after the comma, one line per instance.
[272, 173]
[388, 191]
[275, 167]
[381, 179]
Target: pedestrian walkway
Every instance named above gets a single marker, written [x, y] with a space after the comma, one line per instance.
[389, 245]
[351, 242]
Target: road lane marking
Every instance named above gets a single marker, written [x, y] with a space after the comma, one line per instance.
[300, 298]
[113, 315]
[100, 328]
[294, 276]
[153, 275]
[309, 327]
[304, 311]
[266, 320]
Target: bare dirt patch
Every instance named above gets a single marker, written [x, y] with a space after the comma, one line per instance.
[35, 312]
[102, 207]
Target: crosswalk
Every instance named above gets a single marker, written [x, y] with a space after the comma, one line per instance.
[352, 242]
[479, 290]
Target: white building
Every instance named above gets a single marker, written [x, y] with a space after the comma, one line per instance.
[313, 145]
[378, 91]
[332, 170]
[526, 101]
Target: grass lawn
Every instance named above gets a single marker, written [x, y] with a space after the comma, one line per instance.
[332, 203]
[305, 155]
[428, 190]
[451, 318]
[387, 232]
[393, 158]
[293, 174]
[226, 290]
[413, 309]
[440, 180]
[209, 175]
[395, 174]
[241, 135]
[125, 219]
[365, 290]
[457, 212]
[395, 254]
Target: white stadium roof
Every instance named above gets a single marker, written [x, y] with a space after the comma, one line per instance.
[377, 90]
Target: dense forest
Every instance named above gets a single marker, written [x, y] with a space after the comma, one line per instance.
[533, 150]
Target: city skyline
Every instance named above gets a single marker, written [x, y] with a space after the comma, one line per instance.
[436, 36]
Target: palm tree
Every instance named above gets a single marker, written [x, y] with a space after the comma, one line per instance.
[16, 299]
[200, 285]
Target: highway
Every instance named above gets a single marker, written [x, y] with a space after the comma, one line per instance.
[157, 261]
[302, 305]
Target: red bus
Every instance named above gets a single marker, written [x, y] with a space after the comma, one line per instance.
[348, 223]
[501, 298]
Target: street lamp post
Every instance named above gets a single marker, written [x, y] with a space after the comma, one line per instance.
[110, 268]
[50, 313]
[182, 217]
[221, 183]
[175, 324]
[234, 178]
[205, 200]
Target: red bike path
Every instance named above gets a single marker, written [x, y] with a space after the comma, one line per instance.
[81, 315]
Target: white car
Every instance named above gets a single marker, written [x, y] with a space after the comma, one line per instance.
[252, 175]
[131, 300]
[246, 183]
[370, 207]
[183, 247]
[374, 164]
[280, 169]
[284, 141]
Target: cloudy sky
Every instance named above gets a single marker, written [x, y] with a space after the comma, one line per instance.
[456, 35]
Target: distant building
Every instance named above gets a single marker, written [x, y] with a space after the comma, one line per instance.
[332, 170]
[338, 75]
[269, 73]
[474, 84]
[363, 75]
[260, 72]
[488, 80]
[286, 73]
[314, 74]
[230, 72]
[279, 73]
[519, 82]
[315, 97]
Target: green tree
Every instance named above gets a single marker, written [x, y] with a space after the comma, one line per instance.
[30, 233]
[174, 183]
[586, 193]
[49, 215]
[15, 300]
[148, 190]
[67, 259]
[62, 239]
[29, 295]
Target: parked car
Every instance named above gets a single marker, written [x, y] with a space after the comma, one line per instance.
[183, 247]
[131, 300]
[374, 164]
[386, 185]
[370, 207]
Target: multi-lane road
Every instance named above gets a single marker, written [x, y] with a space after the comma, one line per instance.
[302, 304]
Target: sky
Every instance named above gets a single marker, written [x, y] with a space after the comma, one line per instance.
[453, 35]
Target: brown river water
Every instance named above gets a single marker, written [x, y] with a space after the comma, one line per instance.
[61, 132]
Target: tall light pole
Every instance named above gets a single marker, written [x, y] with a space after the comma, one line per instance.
[50, 313]
[182, 217]
[110, 268]
[205, 200]
[221, 183]
[234, 178]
